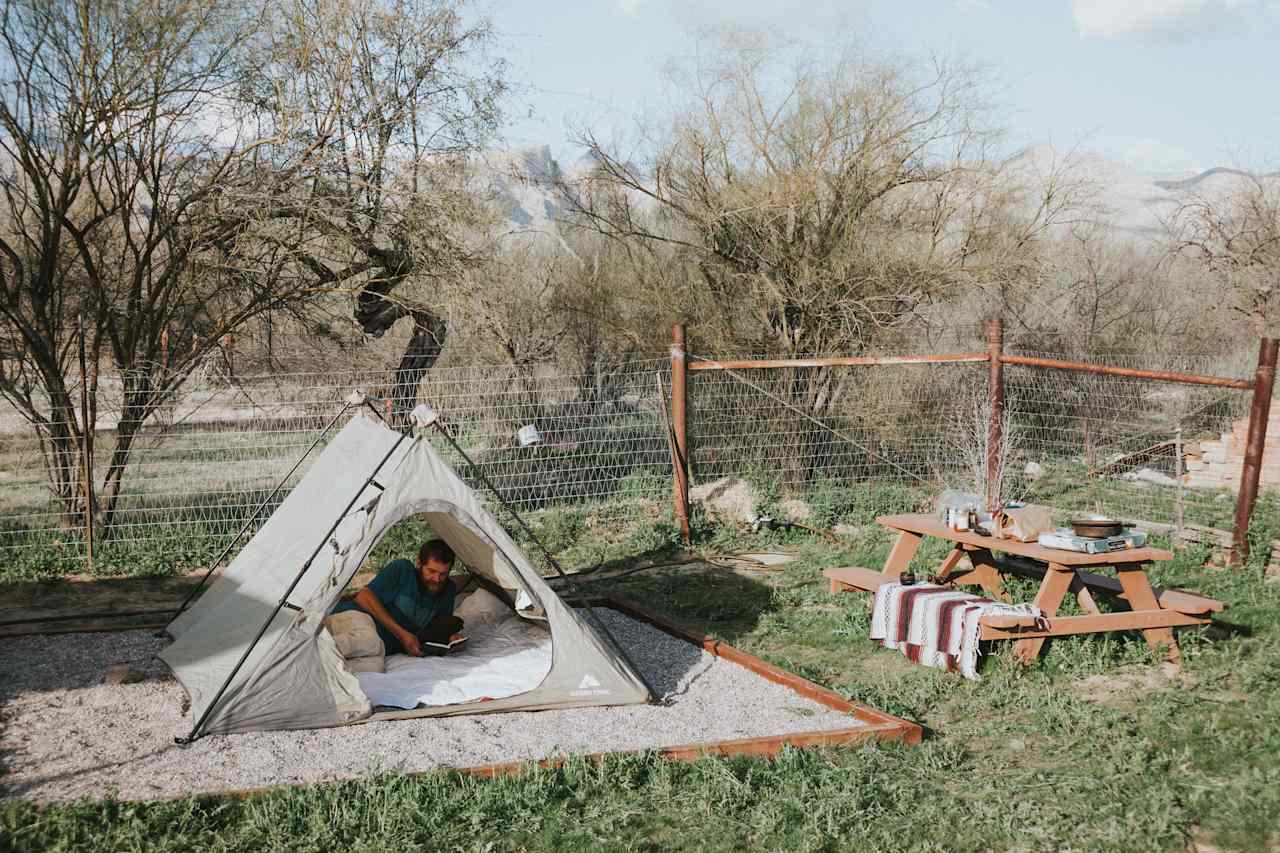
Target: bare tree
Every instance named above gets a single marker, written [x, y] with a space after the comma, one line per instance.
[815, 210]
[113, 155]
[385, 213]
[177, 169]
[1236, 237]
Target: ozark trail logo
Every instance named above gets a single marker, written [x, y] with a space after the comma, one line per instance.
[589, 686]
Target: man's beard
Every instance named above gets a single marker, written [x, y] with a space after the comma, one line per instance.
[434, 587]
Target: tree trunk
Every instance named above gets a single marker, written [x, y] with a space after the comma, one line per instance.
[138, 403]
[420, 355]
[64, 465]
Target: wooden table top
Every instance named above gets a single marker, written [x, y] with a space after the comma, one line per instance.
[927, 524]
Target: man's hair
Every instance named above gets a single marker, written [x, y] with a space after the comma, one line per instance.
[437, 549]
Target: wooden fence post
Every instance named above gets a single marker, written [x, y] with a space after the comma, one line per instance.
[86, 448]
[1263, 380]
[680, 465]
[995, 397]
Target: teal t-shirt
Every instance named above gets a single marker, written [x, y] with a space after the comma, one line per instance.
[397, 587]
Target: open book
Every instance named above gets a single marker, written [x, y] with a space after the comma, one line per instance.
[432, 647]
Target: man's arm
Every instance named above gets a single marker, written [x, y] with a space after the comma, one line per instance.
[367, 601]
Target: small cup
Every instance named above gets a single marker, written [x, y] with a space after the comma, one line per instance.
[907, 578]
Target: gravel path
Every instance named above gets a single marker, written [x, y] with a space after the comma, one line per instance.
[64, 735]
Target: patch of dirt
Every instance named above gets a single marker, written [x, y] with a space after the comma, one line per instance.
[80, 603]
[1126, 687]
[92, 603]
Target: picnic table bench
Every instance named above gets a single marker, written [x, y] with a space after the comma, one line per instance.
[1154, 612]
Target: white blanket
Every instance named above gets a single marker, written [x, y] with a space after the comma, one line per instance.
[504, 655]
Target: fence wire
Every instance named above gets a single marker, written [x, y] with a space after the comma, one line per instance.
[1074, 440]
[1121, 446]
[204, 464]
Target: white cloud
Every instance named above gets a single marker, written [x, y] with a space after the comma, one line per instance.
[630, 8]
[973, 6]
[1116, 20]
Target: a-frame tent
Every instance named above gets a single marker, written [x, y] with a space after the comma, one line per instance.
[252, 651]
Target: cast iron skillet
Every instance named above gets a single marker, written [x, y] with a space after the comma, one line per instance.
[1097, 528]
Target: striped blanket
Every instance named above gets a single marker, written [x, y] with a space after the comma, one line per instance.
[935, 625]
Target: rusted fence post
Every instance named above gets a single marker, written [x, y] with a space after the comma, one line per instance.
[995, 397]
[1263, 380]
[680, 465]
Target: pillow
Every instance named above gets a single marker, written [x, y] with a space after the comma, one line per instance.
[372, 663]
[482, 606]
[355, 635]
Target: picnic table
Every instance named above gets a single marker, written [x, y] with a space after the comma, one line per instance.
[1153, 612]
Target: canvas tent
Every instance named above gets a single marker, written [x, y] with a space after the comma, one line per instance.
[252, 652]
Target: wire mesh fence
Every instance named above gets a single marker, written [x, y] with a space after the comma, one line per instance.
[880, 438]
[211, 461]
[1077, 441]
[1119, 445]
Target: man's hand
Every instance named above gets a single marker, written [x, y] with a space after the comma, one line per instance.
[411, 644]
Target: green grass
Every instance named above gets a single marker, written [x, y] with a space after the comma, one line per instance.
[1025, 759]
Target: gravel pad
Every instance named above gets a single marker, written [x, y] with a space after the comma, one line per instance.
[65, 735]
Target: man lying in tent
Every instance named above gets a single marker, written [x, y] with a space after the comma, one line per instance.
[412, 604]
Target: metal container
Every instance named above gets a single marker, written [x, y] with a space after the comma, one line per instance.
[528, 435]
[1097, 528]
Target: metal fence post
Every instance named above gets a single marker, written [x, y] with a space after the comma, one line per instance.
[680, 472]
[995, 397]
[1263, 380]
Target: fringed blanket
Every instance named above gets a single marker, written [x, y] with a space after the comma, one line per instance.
[935, 625]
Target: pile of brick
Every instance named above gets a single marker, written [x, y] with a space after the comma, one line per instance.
[1218, 464]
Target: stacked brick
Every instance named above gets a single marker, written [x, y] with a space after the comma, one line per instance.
[1218, 464]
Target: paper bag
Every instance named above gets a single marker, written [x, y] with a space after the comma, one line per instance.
[1024, 523]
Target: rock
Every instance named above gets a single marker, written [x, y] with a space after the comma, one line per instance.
[1148, 475]
[1033, 470]
[795, 509]
[727, 499]
[769, 559]
[121, 673]
[849, 530]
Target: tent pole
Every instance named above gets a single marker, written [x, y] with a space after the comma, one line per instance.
[284, 599]
[252, 518]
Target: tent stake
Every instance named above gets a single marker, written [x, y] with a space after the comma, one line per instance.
[252, 518]
[284, 599]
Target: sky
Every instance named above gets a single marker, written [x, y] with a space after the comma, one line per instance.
[1162, 85]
